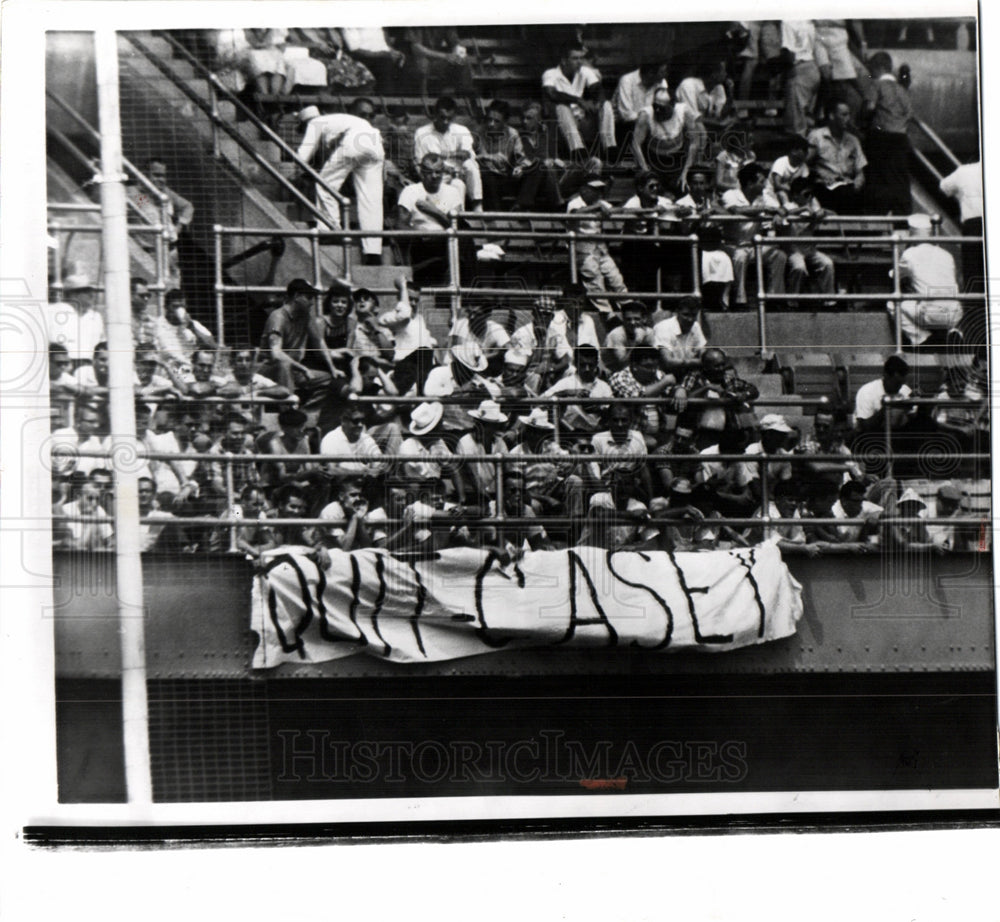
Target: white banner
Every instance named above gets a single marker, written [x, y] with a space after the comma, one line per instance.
[463, 603]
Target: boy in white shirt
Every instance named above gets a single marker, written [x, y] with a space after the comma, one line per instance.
[784, 171]
[596, 267]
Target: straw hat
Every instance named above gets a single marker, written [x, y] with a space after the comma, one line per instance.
[425, 417]
[489, 412]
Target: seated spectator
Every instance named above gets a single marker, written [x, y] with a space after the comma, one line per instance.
[622, 437]
[851, 504]
[634, 330]
[291, 502]
[366, 337]
[177, 335]
[597, 269]
[715, 378]
[370, 47]
[838, 163]
[716, 269]
[784, 171]
[701, 201]
[477, 326]
[173, 430]
[381, 419]
[723, 483]
[575, 317]
[265, 59]
[463, 375]
[506, 170]
[513, 539]
[748, 199]
[967, 425]
[88, 433]
[908, 535]
[648, 266]
[680, 339]
[666, 141]
[952, 503]
[635, 90]
[64, 388]
[454, 144]
[583, 382]
[76, 322]
[544, 343]
[432, 457]
[291, 439]
[736, 153]
[889, 111]
[437, 51]
[774, 440]
[92, 378]
[807, 260]
[927, 269]
[869, 410]
[784, 504]
[350, 438]
[643, 378]
[76, 535]
[251, 506]
[485, 438]
[206, 383]
[163, 534]
[293, 343]
[243, 380]
[336, 321]
[428, 206]
[707, 94]
[827, 438]
[143, 328]
[353, 525]
[541, 153]
[413, 356]
[207, 483]
[617, 519]
[575, 92]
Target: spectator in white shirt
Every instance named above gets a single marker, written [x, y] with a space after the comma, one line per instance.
[927, 269]
[597, 268]
[76, 322]
[635, 90]
[575, 91]
[869, 412]
[784, 171]
[455, 145]
[680, 339]
[351, 146]
[965, 185]
[350, 438]
[414, 344]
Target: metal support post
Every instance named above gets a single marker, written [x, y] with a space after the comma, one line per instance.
[128, 563]
[219, 287]
[758, 252]
[230, 500]
[571, 236]
[897, 291]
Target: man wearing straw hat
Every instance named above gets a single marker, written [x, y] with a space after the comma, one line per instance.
[349, 146]
[489, 421]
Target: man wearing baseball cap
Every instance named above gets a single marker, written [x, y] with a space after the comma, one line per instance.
[352, 147]
[596, 267]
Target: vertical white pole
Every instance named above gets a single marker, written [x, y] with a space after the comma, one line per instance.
[114, 223]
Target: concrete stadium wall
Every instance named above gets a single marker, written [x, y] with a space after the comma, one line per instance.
[862, 614]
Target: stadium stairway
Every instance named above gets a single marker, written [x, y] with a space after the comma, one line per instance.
[167, 113]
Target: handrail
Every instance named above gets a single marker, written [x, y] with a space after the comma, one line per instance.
[249, 114]
[936, 139]
[130, 167]
[231, 131]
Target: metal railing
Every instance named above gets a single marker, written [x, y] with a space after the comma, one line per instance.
[504, 460]
[572, 238]
[210, 109]
[162, 229]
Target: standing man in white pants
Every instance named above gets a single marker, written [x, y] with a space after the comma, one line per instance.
[349, 146]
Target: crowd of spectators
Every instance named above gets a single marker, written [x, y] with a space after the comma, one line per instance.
[317, 394]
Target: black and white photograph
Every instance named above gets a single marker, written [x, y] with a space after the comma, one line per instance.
[433, 414]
